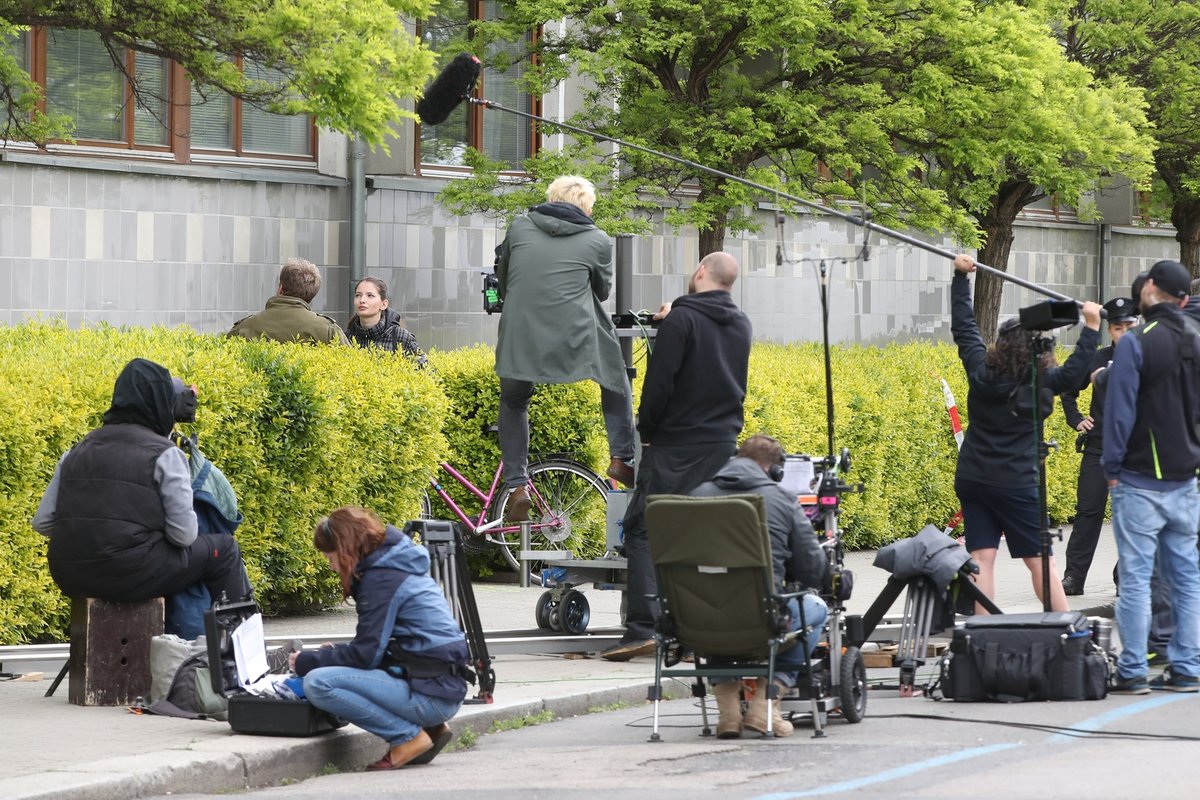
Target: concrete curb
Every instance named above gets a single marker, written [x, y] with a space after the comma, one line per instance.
[243, 762]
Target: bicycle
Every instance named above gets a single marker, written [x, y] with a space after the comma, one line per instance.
[568, 510]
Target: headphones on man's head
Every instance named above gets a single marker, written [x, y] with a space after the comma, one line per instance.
[775, 472]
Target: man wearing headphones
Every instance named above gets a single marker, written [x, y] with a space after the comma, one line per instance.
[757, 468]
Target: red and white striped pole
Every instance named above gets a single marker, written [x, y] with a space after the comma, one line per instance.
[956, 426]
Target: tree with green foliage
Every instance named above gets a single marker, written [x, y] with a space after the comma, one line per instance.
[346, 61]
[939, 117]
[1155, 45]
[1044, 127]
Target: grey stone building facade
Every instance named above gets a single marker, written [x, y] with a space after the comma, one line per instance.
[97, 240]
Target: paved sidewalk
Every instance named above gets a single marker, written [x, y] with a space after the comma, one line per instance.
[52, 749]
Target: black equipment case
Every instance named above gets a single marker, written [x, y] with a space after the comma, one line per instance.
[1011, 658]
[248, 713]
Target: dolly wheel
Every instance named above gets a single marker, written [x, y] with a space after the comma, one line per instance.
[576, 613]
[852, 685]
[541, 611]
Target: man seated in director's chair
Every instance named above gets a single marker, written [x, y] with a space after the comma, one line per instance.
[722, 559]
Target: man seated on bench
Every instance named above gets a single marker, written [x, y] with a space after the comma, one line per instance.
[757, 468]
[118, 510]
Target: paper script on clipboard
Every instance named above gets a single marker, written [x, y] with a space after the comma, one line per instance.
[250, 650]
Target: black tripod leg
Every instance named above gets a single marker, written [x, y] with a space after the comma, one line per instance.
[62, 673]
[472, 627]
[968, 587]
[887, 597]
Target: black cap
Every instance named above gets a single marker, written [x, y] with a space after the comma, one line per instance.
[1121, 309]
[1171, 278]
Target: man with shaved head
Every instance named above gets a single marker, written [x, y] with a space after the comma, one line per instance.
[689, 420]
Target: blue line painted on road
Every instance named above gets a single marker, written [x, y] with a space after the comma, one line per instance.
[893, 774]
[1100, 720]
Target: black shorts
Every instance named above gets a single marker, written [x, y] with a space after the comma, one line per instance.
[989, 511]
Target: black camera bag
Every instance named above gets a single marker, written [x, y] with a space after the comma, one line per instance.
[1011, 658]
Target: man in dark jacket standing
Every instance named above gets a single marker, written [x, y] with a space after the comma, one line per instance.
[555, 268]
[118, 509]
[689, 420]
[798, 558]
[1092, 491]
[1151, 453]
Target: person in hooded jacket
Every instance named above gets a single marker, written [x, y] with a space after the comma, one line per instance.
[997, 474]
[555, 269]
[118, 510]
[403, 676]
[377, 325]
[689, 419]
[798, 558]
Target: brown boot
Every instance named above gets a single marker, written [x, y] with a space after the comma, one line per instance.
[756, 714]
[517, 507]
[403, 753]
[729, 709]
[620, 472]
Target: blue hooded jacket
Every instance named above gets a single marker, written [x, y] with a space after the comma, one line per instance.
[396, 598]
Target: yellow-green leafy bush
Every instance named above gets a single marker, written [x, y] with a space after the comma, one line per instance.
[297, 430]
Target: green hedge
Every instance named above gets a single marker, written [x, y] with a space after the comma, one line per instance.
[301, 430]
[298, 431]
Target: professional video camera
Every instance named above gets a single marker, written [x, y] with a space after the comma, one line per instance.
[184, 409]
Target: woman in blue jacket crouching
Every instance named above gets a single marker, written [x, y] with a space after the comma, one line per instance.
[404, 674]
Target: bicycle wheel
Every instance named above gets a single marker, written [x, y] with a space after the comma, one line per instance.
[426, 511]
[568, 512]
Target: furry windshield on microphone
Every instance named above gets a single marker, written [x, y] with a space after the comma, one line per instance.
[453, 85]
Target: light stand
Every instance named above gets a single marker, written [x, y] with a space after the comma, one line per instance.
[1039, 318]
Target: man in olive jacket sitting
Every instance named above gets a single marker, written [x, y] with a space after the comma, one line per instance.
[555, 268]
[288, 317]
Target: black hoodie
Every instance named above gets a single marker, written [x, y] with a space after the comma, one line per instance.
[696, 382]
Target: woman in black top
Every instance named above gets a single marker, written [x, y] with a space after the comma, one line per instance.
[997, 479]
[376, 325]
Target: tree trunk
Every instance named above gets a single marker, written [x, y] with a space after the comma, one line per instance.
[997, 224]
[1185, 216]
[713, 239]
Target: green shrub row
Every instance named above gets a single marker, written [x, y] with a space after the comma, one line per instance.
[301, 430]
[297, 430]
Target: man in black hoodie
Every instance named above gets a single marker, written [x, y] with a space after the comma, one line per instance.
[797, 557]
[689, 420]
[118, 510]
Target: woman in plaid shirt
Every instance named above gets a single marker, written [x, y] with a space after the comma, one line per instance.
[377, 325]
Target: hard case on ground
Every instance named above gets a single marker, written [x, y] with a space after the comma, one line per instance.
[263, 716]
[1011, 658]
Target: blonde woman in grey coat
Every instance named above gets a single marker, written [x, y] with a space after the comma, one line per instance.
[555, 268]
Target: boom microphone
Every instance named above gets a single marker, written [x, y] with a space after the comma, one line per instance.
[453, 85]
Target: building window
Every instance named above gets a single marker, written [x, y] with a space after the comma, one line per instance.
[223, 123]
[80, 80]
[501, 136]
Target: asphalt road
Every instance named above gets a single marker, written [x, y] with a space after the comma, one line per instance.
[1121, 747]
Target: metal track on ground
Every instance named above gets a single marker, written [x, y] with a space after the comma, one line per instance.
[524, 641]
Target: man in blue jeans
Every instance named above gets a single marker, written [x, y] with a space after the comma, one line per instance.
[1151, 453]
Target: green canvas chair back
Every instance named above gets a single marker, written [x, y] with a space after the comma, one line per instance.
[712, 557]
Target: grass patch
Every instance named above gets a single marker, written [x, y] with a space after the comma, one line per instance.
[617, 706]
[526, 721]
[465, 741]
